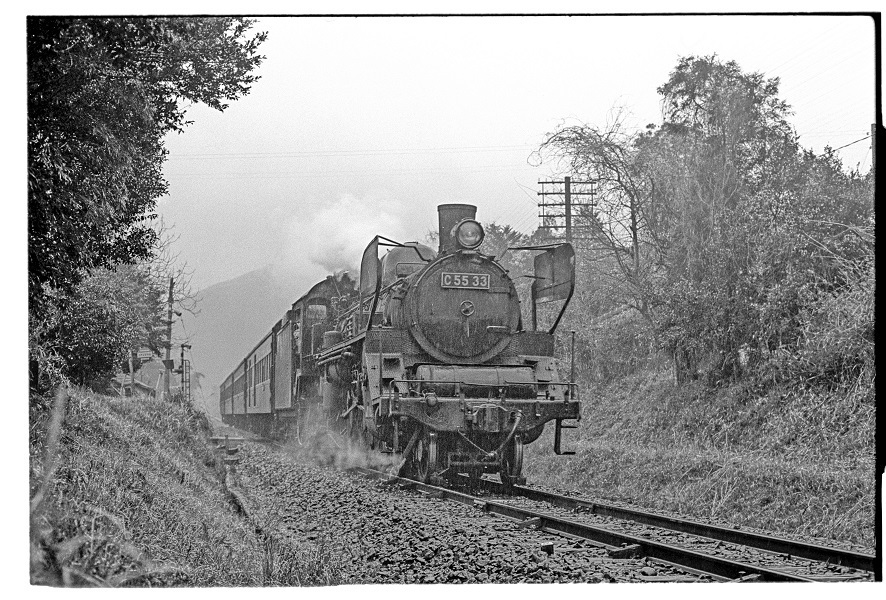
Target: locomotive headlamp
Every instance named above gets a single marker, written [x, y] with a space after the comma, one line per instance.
[469, 234]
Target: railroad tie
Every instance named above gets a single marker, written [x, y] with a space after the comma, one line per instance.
[531, 522]
[631, 551]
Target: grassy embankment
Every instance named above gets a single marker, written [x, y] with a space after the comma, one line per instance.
[788, 459]
[135, 496]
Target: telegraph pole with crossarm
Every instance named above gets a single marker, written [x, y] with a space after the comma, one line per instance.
[569, 190]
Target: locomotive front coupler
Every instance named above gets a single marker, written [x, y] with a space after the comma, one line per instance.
[493, 455]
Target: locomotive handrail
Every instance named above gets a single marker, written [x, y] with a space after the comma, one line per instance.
[357, 307]
[365, 287]
[570, 384]
[484, 384]
[377, 289]
[506, 383]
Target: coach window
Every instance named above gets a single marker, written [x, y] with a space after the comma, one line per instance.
[296, 330]
[316, 312]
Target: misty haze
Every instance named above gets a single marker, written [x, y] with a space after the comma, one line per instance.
[321, 301]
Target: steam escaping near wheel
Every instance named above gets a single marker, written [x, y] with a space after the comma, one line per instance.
[425, 365]
[322, 447]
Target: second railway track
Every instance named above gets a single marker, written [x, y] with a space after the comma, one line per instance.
[723, 554]
[771, 543]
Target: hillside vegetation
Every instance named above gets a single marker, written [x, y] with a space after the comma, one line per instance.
[724, 312]
[791, 460]
[129, 493]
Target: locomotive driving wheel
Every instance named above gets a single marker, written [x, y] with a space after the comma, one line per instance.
[512, 462]
[424, 456]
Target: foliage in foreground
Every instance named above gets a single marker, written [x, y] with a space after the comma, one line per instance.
[85, 335]
[128, 493]
[102, 94]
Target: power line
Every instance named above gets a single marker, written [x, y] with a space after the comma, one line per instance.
[812, 44]
[318, 173]
[855, 142]
[532, 200]
[819, 133]
[864, 163]
[507, 216]
[327, 153]
[821, 70]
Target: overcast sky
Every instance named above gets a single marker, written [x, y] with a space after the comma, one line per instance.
[361, 126]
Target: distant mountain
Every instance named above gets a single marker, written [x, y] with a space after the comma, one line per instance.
[234, 315]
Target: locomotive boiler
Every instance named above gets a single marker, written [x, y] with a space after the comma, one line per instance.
[428, 357]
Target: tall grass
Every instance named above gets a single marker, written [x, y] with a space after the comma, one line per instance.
[126, 492]
[792, 460]
[786, 446]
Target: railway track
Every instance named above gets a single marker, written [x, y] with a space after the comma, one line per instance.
[795, 548]
[721, 553]
[702, 549]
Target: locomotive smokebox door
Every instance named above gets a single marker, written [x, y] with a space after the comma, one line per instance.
[463, 309]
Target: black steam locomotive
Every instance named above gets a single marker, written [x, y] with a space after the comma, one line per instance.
[427, 356]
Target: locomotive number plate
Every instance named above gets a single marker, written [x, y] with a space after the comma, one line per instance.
[465, 281]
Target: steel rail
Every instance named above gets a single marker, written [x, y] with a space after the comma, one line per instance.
[795, 548]
[716, 566]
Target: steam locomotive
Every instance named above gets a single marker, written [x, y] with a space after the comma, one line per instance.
[426, 356]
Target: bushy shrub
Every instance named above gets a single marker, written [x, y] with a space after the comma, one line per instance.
[836, 344]
[85, 335]
[610, 347]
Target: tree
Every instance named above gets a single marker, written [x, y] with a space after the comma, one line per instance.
[92, 328]
[102, 93]
[621, 219]
[718, 227]
[497, 240]
[744, 204]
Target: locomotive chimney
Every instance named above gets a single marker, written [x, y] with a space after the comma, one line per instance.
[450, 215]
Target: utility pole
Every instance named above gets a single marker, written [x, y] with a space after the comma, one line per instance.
[185, 367]
[182, 366]
[874, 148]
[567, 196]
[131, 372]
[166, 363]
[551, 221]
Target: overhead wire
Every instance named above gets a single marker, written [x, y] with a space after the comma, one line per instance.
[516, 213]
[534, 204]
[345, 153]
[864, 162]
[326, 174]
[851, 143]
[820, 70]
[811, 44]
